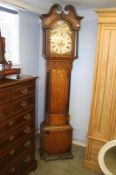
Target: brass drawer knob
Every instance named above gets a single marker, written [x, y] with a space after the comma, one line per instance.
[11, 123]
[11, 137]
[27, 130]
[27, 159]
[12, 169]
[24, 104]
[27, 116]
[12, 151]
[24, 91]
[27, 144]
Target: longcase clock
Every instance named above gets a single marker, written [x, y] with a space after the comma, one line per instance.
[60, 36]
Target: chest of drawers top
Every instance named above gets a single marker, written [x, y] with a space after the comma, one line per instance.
[11, 88]
[12, 80]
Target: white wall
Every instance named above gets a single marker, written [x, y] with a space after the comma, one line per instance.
[29, 41]
[82, 77]
[41, 90]
[82, 72]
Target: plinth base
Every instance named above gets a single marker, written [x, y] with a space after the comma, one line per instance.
[55, 142]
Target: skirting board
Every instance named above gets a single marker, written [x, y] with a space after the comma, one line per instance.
[78, 143]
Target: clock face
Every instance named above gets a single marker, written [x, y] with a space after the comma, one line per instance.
[61, 39]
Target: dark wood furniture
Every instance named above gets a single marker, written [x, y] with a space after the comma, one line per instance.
[60, 28]
[17, 125]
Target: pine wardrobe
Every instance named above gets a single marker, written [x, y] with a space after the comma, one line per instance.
[102, 126]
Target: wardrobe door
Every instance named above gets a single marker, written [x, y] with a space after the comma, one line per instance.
[102, 126]
[104, 88]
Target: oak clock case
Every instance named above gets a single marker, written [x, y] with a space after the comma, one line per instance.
[60, 30]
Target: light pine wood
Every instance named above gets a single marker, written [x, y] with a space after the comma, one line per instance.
[102, 126]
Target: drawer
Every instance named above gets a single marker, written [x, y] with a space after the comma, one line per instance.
[22, 90]
[22, 104]
[5, 112]
[13, 123]
[10, 154]
[15, 136]
[18, 166]
[4, 97]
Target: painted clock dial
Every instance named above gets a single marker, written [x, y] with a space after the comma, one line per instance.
[61, 38]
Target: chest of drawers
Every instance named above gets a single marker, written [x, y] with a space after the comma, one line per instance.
[17, 125]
